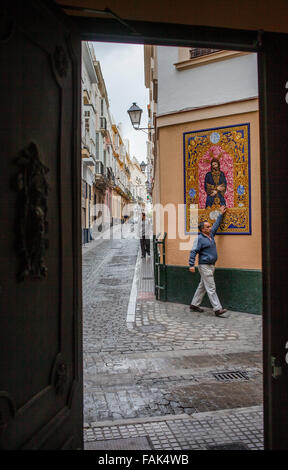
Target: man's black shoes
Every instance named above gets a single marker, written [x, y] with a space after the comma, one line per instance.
[199, 309]
[220, 312]
[196, 309]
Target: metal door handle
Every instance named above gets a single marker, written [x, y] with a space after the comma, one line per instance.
[276, 370]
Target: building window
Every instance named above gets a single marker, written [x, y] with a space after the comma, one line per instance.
[97, 146]
[155, 90]
[83, 217]
[199, 52]
[189, 57]
[83, 188]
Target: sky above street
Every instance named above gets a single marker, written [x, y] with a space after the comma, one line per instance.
[122, 67]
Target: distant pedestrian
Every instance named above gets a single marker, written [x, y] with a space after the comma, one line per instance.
[144, 233]
[205, 247]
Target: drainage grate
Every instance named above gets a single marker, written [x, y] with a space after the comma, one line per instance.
[231, 375]
[131, 443]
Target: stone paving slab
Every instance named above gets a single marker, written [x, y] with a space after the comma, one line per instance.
[151, 391]
[199, 432]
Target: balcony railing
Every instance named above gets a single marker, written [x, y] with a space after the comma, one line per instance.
[110, 174]
[127, 170]
[104, 176]
[99, 168]
[103, 123]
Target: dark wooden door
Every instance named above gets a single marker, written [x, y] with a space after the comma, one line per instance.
[273, 90]
[40, 260]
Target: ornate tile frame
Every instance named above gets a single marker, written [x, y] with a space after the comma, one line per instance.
[203, 213]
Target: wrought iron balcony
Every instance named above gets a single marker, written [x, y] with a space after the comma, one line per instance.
[100, 180]
[99, 168]
[103, 125]
[127, 171]
[110, 175]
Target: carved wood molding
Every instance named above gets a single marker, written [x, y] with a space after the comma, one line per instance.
[41, 438]
[7, 24]
[60, 375]
[68, 444]
[7, 410]
[61, 61]
[31, 213]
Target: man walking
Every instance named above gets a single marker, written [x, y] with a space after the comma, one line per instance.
[205, 247]
[144, 233]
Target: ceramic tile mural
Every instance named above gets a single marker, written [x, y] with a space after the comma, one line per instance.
[217, 172]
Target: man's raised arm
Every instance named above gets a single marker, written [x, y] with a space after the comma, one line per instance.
[218, 221]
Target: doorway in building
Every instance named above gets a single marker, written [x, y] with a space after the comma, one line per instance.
[148, 358]
[46, 411]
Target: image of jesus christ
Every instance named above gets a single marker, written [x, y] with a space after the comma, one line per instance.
[215, 185]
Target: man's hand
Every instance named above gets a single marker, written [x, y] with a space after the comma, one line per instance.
[213, 193]
[223, 209]
[192, 269]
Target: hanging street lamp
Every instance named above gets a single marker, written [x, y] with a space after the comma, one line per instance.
[135, 114]
[143, 166]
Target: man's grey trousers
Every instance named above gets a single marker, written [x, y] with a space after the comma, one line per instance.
[207, 284]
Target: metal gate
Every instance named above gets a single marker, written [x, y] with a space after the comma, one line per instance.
[160, 272]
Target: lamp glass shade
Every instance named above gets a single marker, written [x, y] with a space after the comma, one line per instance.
[135, 114]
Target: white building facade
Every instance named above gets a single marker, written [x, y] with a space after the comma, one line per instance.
[107, 184]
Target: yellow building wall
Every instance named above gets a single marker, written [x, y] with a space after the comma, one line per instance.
[234, 251]
[156, 187]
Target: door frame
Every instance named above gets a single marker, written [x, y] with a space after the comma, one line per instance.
[167, 34]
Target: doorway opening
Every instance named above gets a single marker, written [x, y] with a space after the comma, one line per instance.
[151, 364]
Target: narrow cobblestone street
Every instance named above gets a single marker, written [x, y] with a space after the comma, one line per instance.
[157, 372]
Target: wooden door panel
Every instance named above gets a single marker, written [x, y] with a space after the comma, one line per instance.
[40, 293]
[273, 76]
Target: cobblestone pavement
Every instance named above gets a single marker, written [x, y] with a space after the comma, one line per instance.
[185, 380]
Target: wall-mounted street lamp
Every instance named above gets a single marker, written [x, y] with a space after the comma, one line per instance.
[135, 114]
